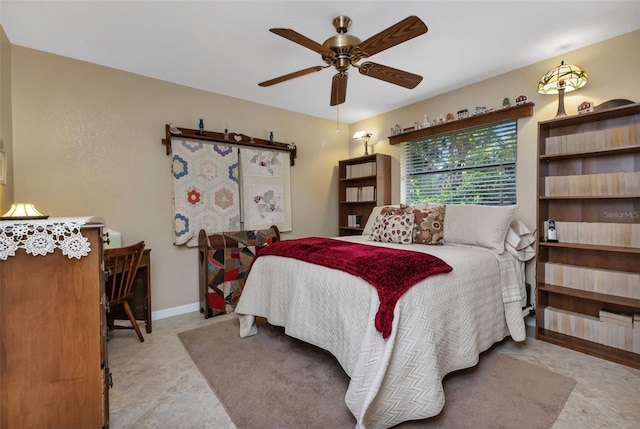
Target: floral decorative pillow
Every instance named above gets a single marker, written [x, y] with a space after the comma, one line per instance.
[393, 228]
[428, 225]
[397, 210]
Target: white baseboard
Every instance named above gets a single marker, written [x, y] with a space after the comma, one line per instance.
[175, 311]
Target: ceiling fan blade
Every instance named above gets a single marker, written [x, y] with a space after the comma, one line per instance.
[292, 75]
[298, 38]
[339, 88]
[404, 30]
[389, 74]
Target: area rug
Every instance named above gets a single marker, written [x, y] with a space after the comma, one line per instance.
[274, 381]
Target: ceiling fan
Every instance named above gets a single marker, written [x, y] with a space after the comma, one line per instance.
[344, 50]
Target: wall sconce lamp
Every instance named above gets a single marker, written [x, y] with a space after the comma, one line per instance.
[564, 78]
[22, 211]
[363, 135]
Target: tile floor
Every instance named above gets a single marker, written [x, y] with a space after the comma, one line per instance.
[157, 385]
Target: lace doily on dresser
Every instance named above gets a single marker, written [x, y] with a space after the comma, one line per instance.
[42, 236]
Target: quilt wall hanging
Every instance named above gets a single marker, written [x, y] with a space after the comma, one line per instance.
[206, 191]
[266, 190]
[221, 188]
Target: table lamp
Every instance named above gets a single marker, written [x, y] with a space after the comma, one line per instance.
[363, 135]
[561, 79]
[22, 211]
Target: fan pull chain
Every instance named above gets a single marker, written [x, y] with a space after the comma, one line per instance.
[337, 118]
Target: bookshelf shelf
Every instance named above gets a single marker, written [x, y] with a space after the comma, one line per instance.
[588, 169]
[617, 249]
[363, 183]
[587, 154]
[589, 347]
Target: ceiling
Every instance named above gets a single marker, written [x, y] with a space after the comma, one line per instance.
[225, 47]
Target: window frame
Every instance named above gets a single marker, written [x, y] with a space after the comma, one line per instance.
[463, 155]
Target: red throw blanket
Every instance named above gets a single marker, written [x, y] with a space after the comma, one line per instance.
[391, 271]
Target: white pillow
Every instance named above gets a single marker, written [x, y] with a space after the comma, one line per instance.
[393, 228]
[475, 225]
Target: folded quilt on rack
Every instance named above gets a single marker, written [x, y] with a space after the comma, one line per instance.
[391, 271]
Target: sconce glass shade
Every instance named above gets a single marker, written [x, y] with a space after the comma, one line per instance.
[561, 79]
[20, 211]
[363, 135]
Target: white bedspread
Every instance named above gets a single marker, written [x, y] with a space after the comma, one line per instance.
[440, 325]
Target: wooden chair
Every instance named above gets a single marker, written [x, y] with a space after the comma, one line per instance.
[125, 262]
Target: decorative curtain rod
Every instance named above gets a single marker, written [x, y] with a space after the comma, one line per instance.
[230, 138]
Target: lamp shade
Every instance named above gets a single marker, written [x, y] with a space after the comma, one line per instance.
[567, 76]
[363, 135]
[23, 211]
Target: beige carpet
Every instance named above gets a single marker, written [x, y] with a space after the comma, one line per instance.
[273, 381]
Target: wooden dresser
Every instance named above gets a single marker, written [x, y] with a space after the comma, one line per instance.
[53, 360]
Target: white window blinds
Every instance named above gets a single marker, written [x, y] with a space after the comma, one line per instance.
[473, 166]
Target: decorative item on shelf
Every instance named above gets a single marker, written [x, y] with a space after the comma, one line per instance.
[226, 134]
[408, 129]
[462, 113]
[237, 137]
[363, 135]
[585, 107]
[22, 211]
[201, 126]
[611, 104]
[440, 119]
[174, 130]
[396, 130]
[271, 137]
[506, 102]
[521, 99]
[561, 79]
[480, 110]
[449, 117]
[291, 145]
[425, 121]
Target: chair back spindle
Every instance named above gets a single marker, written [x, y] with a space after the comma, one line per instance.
[125, 262]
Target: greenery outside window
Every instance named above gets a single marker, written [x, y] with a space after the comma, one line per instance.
[473, 166]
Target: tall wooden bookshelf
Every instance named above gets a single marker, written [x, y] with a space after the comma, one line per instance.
[364, 182]
[589, 183]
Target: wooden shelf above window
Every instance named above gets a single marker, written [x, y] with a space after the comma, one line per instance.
[229, 138]
[501, 115]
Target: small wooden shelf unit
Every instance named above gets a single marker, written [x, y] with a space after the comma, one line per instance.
[589, 183]
[364, 182]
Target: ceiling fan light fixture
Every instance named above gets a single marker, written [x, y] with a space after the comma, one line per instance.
[342, 23]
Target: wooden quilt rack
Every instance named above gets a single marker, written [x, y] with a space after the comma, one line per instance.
[230, 138]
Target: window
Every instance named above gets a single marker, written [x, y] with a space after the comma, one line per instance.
[473, 166]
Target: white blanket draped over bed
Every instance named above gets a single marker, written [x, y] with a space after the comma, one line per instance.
[440, 325]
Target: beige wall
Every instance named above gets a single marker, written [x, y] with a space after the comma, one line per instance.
[87, 141]
[613, 67]
[6, 191]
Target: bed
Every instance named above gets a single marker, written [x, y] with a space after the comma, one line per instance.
[440, 325]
